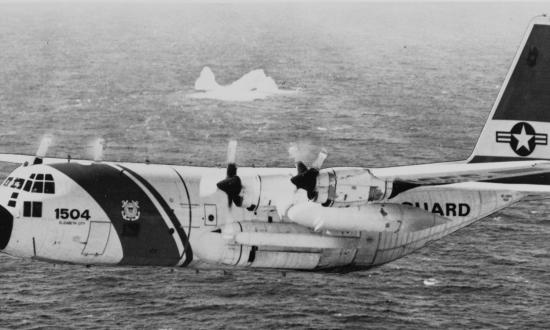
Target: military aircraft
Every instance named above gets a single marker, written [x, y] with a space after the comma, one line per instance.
[310, 218]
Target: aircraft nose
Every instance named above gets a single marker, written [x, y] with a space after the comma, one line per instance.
[6, 226]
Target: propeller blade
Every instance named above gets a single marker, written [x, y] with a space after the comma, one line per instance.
[318, 163]
[232, 184]
[231, 170]
[294, 152]
[306, 180]
[301, 167]
[45, 143]
[232, 187]
[231, 151]
[307, 177]
[97, 149]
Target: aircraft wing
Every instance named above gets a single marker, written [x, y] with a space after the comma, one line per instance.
[20, 159]
[530, 189]
[16, 158]
[447, 173]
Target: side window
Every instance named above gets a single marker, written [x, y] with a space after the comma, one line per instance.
[26, 209]
[36, 209]
[7, 181]
[18, 183]
[32, 209]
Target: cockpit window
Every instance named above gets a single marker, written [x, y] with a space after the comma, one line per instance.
[49, 187]
[38, 187]
[42, 183]
[28, 185]
[7, 181]
[18, 183]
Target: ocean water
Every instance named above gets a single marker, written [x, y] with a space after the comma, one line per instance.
[376, 85]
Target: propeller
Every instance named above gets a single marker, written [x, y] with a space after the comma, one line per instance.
[307, 177]
[232, 185]
[45, 143]
[97, 149]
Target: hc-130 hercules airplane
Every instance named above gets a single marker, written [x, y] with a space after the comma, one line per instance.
[95, 212]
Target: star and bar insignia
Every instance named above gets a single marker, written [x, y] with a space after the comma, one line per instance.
[522, 138]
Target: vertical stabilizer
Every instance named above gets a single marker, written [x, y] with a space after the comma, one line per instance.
[519, 123]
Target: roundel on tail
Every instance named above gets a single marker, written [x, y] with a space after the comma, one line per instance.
[522, 138]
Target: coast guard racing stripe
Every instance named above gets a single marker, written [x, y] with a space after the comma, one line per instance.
[146, 240]
[175, 222]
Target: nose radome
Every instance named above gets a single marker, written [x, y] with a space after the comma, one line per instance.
[6, 226]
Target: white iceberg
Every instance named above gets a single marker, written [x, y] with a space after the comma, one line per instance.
[252, 86]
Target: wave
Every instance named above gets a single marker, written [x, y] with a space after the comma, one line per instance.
[252, 86]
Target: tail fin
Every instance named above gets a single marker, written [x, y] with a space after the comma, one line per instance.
[519, 123]
[206, 80]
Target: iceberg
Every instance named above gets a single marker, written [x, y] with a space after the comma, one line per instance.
[252, 86]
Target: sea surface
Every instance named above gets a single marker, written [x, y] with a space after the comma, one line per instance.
[375, 85]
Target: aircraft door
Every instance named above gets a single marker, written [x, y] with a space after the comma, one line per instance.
[98, 237]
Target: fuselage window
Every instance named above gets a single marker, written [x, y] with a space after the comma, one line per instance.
[8, 180]
[37, 209]
[26, 209]
[18, 183]
[32, 209]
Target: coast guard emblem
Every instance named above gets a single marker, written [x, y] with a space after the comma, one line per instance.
[522, 138]
[130, 210]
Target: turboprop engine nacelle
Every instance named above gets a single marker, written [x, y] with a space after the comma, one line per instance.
[341, 187]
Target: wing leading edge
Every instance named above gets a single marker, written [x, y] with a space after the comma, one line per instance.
[449, 173]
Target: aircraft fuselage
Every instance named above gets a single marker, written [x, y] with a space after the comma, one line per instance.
[144, 214]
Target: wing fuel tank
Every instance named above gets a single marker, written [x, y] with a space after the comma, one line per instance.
[370, 217]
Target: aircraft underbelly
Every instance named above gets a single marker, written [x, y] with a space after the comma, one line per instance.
[461, 207]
